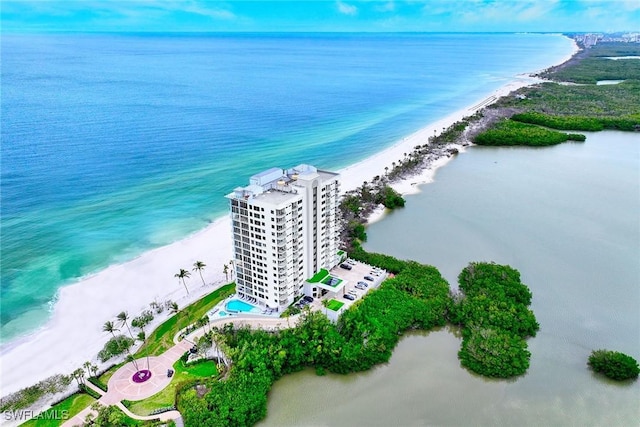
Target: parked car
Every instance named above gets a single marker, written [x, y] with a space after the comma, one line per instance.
[365, 284]
[308, 298]
[349, 297]
[369, 278]
[345, 266]
[352, 292]
[362, 288]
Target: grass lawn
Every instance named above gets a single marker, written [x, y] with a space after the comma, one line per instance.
[73, 404]
[167, 396]
[334, 305]
[161, 339]
[104, 378]
[319, 276]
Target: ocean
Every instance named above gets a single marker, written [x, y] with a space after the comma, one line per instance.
[115, 144]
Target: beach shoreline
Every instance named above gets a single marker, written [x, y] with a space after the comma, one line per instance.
[74, 334]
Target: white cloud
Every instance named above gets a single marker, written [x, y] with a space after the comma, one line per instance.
[625, 5]
[207, 9]
[389, 6]
[347, 9]
[501, 12]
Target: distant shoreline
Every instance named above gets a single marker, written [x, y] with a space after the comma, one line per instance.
[64, 344]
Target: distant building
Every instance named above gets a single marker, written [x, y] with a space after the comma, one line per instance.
[284, 230]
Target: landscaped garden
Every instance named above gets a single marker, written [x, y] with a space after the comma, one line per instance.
[334, 305]
[319, 276]
[166, 398]
[161, 339]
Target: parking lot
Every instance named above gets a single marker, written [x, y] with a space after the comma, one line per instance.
[354, 282]
[351, 277]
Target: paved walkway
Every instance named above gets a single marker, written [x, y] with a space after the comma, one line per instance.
[121, 385]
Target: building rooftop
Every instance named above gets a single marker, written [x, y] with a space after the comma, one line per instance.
[278, 185]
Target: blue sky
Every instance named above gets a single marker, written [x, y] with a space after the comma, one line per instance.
[329, 15]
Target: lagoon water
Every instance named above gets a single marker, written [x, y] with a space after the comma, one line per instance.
[115, 144]
[568, 218]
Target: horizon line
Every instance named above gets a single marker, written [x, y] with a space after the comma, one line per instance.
[52, 31]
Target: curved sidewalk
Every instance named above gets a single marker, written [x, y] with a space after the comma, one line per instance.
[121, 385]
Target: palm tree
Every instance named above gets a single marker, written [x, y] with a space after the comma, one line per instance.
[231, 265]
[142, 336]
[199, 266]
[87, 366]
[386, 170]
[123, 317]
[111, 328]
[225, 270]
[78, 374]
[94, 370]
[173, 307]
[181, 275]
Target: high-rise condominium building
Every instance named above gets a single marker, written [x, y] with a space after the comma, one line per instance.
[284, 230]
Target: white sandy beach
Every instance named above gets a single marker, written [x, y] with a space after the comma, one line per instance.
[74, 334]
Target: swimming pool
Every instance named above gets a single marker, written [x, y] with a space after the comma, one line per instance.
[236, 305]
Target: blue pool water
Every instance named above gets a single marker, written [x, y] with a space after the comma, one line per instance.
[236, 305]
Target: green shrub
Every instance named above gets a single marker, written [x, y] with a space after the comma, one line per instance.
[365, 335]
[495, 320]
[390, 198]
[96, 382]
[114, 347]
[593, 124]
[91, 392]
[143, 320]
[615, 365]
[510, 132]
[495, 353]
[355, 230]
[385, 262]
[27, 396]
[560, 122]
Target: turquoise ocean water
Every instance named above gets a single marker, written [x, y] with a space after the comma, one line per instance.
[114, 144]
